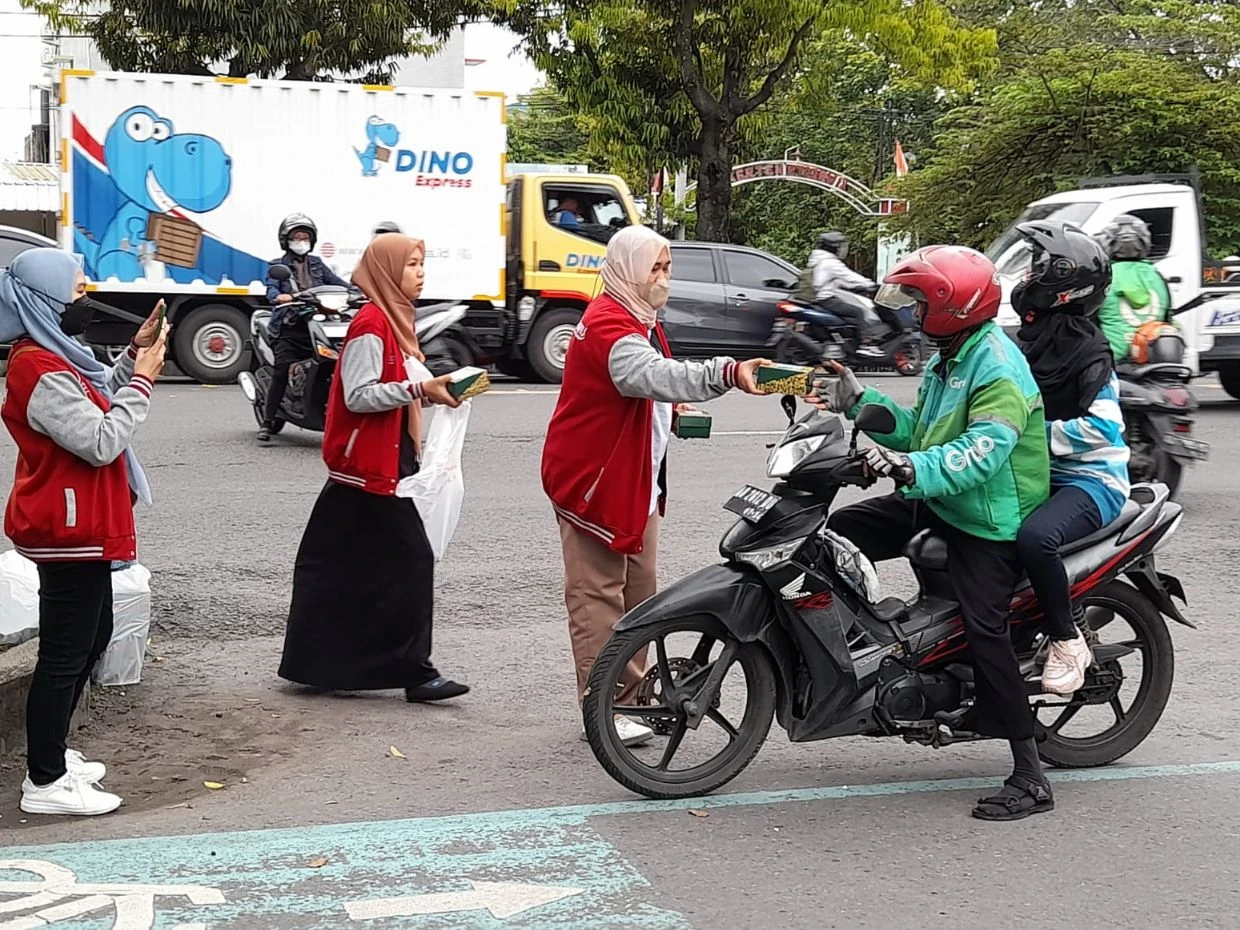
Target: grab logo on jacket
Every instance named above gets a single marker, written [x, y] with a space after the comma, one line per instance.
[960, 459]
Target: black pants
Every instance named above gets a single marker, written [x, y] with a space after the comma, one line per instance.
[849, 313]
[75, 627]
[1070, 514]
[289, 349]
[983, 575]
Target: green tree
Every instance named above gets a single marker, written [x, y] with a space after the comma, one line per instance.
[1088, 88]
[670, 81]
[543, 127]
[267, 38]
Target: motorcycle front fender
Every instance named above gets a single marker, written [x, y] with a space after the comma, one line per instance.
[738, 599]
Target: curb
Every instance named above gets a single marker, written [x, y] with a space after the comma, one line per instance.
[16, 669]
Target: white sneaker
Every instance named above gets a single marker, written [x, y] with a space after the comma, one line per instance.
[69, 794]
[1066, 662]
[93, 772]
[631, 732]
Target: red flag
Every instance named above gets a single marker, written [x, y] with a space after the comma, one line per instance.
[901, 162]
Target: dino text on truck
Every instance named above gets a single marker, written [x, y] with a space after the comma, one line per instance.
[173, 186]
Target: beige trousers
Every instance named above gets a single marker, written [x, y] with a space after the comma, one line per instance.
[600, 585]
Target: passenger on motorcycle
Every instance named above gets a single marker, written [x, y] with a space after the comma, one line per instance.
[830, 275]
[291, 337]
[1138, 292]
[1071, 361]
[970, 462]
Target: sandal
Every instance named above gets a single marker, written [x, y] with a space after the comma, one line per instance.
[1018, 798]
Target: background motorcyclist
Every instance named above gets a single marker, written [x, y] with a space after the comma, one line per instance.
[1138, 292]
[385, 226]
[290, 335]
[830, 275]
[970, 462]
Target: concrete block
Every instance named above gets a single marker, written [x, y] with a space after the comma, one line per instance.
[16, 668]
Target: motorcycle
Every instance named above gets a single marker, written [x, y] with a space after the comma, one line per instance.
[784, 611]
[328, 309]
[1158, 410]
[806, 333]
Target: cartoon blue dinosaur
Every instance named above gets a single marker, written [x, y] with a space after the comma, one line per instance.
[378, 133]
[155, 171]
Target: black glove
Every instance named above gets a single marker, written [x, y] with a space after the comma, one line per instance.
[888, 464]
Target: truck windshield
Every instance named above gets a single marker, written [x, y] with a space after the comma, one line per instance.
[1006, 258]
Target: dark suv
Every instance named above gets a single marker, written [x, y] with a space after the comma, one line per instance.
[723, 299]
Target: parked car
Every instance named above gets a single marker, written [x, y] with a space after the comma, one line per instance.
[14, 241]
[723, 299]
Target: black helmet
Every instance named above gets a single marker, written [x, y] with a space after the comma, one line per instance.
[386, 226]
[1068, 271]
[835, 242]
[1126, 238]
[297, 221]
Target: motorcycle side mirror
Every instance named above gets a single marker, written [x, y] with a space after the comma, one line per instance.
[789, 405]
[279, 272]
[873, 418]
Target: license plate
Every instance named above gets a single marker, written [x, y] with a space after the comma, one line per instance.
[1193, 448]
[751, 504]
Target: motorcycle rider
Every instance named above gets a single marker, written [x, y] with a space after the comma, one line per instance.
[1138, 293]
[969, 460]
[1072, 364]
[291, 336]
[385, 226]
[829, 275]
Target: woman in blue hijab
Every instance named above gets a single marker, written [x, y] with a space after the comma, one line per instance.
[71, 507]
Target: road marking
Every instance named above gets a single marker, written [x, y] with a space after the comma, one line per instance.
[750, 432]
[502, 899]
[522, 392]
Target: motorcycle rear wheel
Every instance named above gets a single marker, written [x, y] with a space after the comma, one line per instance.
[1157, 656]
[1150, 463]
[656, 779]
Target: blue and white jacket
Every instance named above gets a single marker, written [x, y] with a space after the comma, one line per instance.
[1089, 452]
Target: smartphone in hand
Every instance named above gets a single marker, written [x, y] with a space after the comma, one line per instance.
[162, 308]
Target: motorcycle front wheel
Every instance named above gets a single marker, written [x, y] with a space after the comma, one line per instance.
[710, 697]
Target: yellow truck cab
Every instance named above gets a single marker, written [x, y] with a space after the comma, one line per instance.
[558, 228]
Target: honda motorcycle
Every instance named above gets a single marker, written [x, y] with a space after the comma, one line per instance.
[328, 309]
[780, 630]
[807, 333]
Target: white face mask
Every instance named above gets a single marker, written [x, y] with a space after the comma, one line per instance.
[655, 294]
[299, 247]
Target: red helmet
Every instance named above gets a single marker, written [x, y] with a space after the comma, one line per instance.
[956, 288]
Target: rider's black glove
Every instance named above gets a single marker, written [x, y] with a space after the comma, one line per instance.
[888, 464]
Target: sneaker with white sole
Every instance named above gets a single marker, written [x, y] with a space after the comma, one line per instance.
[93, 772]
[1066, 662]
[631, 732]
[70, 794]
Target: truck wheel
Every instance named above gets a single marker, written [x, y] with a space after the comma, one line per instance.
[1229, 378]
[549, 341]
[209, 343]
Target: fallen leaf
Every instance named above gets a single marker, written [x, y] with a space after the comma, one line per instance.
[213, 785]
[331, 802]
[318, 863]
[395, 753]
[694, 813]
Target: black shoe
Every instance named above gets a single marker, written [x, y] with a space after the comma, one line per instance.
[437, 689]
[264, 435]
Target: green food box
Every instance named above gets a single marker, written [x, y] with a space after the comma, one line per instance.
[785, 379]
[469, 382]
[691, 425]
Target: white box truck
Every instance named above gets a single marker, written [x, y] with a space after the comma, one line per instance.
[1205, 293]
[173, 186]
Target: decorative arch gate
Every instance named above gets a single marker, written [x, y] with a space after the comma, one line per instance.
[857, 195]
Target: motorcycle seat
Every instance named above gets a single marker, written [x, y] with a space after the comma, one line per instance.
[928, 550]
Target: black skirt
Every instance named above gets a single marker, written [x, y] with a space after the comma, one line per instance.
[363, 595]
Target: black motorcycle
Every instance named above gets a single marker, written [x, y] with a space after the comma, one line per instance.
[780, 630]
[806, 333]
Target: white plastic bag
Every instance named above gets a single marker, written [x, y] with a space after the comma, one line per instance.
[121, 663]
[438, 489]
[852, 565]
[19, 599]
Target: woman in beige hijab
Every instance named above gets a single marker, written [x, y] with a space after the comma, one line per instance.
[605, 460]
[364, 579]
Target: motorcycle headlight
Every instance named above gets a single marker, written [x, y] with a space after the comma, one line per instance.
[762, 559]
[334, 302]
[788, 456]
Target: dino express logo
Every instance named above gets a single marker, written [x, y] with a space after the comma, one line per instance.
[432, 168]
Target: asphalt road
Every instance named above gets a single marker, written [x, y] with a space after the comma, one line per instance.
[497, 789]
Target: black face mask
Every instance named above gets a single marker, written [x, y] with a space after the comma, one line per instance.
[77, 316]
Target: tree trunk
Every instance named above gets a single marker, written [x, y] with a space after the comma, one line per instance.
[714, 190]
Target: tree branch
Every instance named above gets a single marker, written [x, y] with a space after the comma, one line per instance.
[781, 70]
[686, 49]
